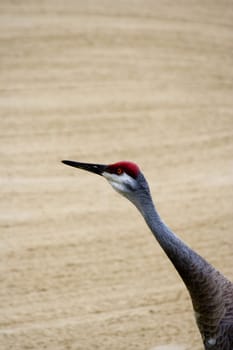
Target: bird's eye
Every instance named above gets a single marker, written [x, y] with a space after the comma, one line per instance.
[119, 171]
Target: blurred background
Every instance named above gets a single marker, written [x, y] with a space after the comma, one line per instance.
[102, 81]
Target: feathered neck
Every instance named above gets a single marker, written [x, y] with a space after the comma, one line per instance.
[198, 275]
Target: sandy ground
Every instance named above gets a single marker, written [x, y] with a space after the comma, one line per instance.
[102, 81]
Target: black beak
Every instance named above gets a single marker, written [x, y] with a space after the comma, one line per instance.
[93, 168]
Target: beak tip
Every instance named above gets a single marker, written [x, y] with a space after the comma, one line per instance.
[68, 162]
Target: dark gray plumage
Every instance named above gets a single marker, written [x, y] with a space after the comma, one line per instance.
[211, 293]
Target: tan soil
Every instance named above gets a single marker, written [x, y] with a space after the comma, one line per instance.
[102, 81]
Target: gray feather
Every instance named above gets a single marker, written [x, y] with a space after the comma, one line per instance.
[211, 293]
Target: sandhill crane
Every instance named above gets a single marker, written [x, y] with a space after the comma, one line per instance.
[211, 293]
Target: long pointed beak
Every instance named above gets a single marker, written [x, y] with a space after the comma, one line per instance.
[93, 168]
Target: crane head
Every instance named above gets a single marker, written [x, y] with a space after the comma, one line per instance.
[125, 177]
[121, 175]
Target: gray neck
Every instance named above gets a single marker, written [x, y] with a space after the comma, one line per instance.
[177, 251]
[197, 274]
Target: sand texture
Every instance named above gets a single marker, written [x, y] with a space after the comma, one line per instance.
[102, 81]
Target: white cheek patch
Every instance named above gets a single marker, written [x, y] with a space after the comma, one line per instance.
[121, 183]
[118, 186]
